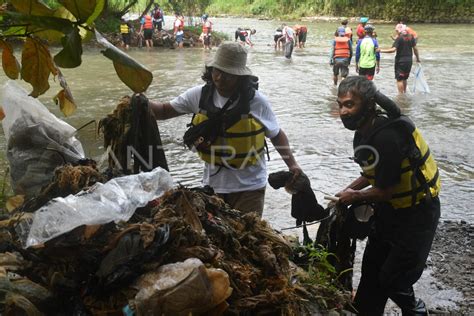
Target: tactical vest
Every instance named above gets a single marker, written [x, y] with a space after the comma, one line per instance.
[419, 173]
[241, 141]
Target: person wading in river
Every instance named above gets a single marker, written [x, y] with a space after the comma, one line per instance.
[405, 46]
[404, 188]
[341, 54]
[230, 103]
[146, 28]
[367, 54]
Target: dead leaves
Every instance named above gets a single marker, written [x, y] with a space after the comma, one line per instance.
[37, 65]
[10, 64]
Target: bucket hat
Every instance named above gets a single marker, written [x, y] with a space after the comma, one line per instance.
[364, 19]
[231, 58]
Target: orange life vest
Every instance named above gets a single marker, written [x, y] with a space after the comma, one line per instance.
[341, 49]
[207, 27]
[148, 22]
[411, 32]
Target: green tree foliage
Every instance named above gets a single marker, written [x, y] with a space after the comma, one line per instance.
[68, 23]
[410, 10]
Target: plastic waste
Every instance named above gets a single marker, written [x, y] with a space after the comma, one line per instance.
[37, 141]
[420, 84]
[116, 200]
[182, 288]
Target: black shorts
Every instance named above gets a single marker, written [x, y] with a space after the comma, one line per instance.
[367, 71]
[402, 70]
[302, 37]
[207, 40]
[126, 38]
[341, 66]
[148, 33]
[276, 37]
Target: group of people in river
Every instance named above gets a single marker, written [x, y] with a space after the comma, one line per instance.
[368, 52]
[400, 178]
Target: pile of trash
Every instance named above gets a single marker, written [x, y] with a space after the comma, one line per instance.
[184, 252]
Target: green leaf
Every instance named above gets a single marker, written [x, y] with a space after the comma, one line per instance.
[136, 76]
[70, 55]
[44, 22]
[32, 7]
[14, 30]
[84, 10]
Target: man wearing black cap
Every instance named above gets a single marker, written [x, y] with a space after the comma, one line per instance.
[229, 101]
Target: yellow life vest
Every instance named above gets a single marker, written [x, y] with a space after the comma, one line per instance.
[124, 29]
[419, 178]
[241, 138]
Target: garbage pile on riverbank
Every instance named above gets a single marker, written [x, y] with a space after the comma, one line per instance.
[185, 252]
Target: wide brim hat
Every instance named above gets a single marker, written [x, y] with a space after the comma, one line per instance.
[231, 58]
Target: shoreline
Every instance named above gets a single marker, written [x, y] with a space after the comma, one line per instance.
[451, 261]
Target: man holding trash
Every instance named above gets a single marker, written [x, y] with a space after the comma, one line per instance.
[231, 120]
[405, 46]
[404, 185]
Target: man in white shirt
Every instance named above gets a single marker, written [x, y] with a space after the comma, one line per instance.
[235, 165]
[288, 38]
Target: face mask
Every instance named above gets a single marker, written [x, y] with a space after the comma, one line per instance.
[355, 121]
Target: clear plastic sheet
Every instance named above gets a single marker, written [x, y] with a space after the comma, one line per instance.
[420, 85]
[114, 201]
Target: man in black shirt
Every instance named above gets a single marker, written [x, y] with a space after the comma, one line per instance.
[404, 187]
[405, 46]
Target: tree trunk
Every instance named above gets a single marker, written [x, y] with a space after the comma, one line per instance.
[125, 10]
[150, 3]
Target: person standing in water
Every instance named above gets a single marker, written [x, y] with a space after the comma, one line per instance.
[404, 46]
[361, 28]
[206, 32]
[341, 54]
[367, 54]
[234, 162]
[347, 28]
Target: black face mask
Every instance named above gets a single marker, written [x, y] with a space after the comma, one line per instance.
[355, 121]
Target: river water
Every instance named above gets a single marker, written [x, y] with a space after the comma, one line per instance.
[304, 99]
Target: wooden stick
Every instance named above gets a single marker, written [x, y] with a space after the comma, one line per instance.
[331, 198]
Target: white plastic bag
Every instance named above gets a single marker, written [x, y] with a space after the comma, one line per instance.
[420, 84]
[37, 141]
[116, 200]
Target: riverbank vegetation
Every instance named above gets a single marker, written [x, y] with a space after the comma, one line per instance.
[413, 11]
[430, 11]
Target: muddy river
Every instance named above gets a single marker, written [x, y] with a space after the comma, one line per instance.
[304, 99]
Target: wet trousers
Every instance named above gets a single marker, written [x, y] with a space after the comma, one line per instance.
[395, 256]
[246, 201]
